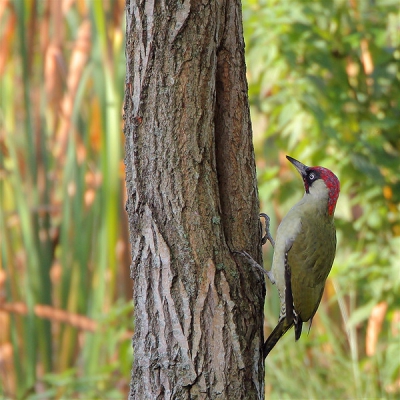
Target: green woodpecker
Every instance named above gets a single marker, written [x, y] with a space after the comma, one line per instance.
[304, 250]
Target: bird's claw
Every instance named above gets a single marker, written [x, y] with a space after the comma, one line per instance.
[267, 235]
[255, 264]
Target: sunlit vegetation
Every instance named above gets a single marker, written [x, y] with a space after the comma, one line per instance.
[65, 293]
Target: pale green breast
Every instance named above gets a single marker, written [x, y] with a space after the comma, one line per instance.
[310, 260]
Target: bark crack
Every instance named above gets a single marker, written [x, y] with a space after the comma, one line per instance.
[156, 261]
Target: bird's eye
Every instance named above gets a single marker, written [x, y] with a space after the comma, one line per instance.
[311, 176]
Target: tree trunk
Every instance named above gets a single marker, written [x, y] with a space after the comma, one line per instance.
[192, 200]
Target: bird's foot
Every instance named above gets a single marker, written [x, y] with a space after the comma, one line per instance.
[256, 265]
[267, 235]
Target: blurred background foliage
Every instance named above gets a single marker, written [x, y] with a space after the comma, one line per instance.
[324, 87]
[65, 291]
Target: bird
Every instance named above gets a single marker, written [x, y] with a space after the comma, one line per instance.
[305, 247]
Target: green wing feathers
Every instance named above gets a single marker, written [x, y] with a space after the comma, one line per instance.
[310, 260]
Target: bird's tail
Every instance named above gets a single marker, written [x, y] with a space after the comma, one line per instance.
[282, 327]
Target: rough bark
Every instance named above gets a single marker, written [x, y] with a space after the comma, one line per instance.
[192, 199]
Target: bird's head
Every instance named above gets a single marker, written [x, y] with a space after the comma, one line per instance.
[319, 182]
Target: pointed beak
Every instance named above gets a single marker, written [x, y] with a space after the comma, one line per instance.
[299, 166]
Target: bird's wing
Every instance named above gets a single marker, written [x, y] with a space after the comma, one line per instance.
[310, 259]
